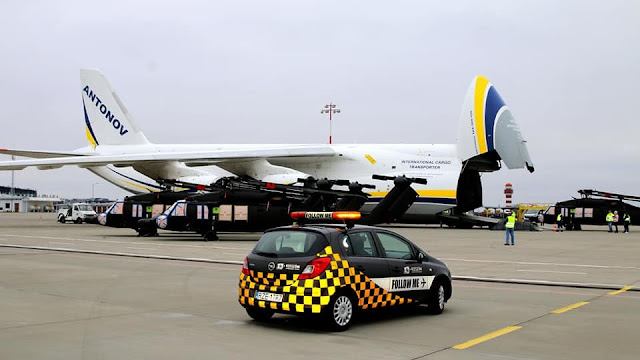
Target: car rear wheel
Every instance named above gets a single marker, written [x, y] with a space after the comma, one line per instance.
[259, 314]
[61, 219]
[340, 311]
[435, 305]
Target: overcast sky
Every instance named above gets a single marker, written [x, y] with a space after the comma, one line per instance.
[260, 71]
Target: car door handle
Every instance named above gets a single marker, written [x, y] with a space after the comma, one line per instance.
[397, 269]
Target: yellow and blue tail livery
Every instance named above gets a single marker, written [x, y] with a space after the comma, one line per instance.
[487, 126]
[107, 120]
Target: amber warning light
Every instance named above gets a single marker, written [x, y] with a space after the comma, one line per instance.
[318, 215]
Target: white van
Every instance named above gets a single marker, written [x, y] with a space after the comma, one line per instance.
[76, 212]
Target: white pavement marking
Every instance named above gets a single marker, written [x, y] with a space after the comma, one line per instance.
[234, 262]
[545, 264]
[140, 248]
[127, 242]
[57, 242]
[555, 272]
[249, 249]
[160, 257]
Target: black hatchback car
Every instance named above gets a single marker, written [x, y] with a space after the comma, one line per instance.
[336, 270]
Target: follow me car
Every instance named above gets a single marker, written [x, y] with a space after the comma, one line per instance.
[335, 270]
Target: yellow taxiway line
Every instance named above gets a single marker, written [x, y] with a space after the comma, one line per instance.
[570, 307]
[486, 337]
[620, 291]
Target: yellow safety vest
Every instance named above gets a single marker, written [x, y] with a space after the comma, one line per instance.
[609, 217]
[559, 217]
[511, 222]
[627, 218]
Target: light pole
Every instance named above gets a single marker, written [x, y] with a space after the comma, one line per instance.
[12, 193]
[93, 189]
[330, 109]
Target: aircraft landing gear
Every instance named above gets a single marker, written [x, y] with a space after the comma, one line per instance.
[210, 235]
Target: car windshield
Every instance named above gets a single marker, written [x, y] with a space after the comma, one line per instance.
[290, 243]
[85, 207]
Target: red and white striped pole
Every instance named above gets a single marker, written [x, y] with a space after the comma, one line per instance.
[330, 109]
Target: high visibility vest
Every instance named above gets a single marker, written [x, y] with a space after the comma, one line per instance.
[615, 218]
[627, 218]
[559, 218]
[609, 217]
[511, 222]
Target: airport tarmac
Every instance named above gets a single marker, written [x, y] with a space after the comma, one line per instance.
[61, 299]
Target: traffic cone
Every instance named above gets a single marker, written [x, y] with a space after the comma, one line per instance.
[555, 227]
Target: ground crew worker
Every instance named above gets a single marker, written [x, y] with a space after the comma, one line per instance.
[609, 220]
[510, 227]
[559, 222]
[627, 220]
[615, 220]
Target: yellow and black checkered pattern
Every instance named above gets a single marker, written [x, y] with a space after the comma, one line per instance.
[310, 295]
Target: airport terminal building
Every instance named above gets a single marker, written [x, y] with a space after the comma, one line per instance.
[26, 200]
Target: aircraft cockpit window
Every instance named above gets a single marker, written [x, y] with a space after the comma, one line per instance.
[177, 208]
[116, 208]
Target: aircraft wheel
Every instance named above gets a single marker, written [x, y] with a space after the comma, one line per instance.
[210, 236]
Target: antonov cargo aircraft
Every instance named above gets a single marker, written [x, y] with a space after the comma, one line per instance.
[120, 153]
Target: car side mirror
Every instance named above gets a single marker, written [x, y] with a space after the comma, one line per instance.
[421, 256]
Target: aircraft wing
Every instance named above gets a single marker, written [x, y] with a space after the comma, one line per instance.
[193, 158]
[38, 154]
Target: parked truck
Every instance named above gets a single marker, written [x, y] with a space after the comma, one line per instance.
[76, 212]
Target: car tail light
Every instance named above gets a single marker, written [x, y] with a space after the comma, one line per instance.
[314, 268]
[245, 266]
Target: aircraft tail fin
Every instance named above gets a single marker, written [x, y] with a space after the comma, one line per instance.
[107, 120]
[488, 131]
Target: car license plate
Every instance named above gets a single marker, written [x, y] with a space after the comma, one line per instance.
[267, 296]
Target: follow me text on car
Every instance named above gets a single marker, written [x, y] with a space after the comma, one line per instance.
[334, 271]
